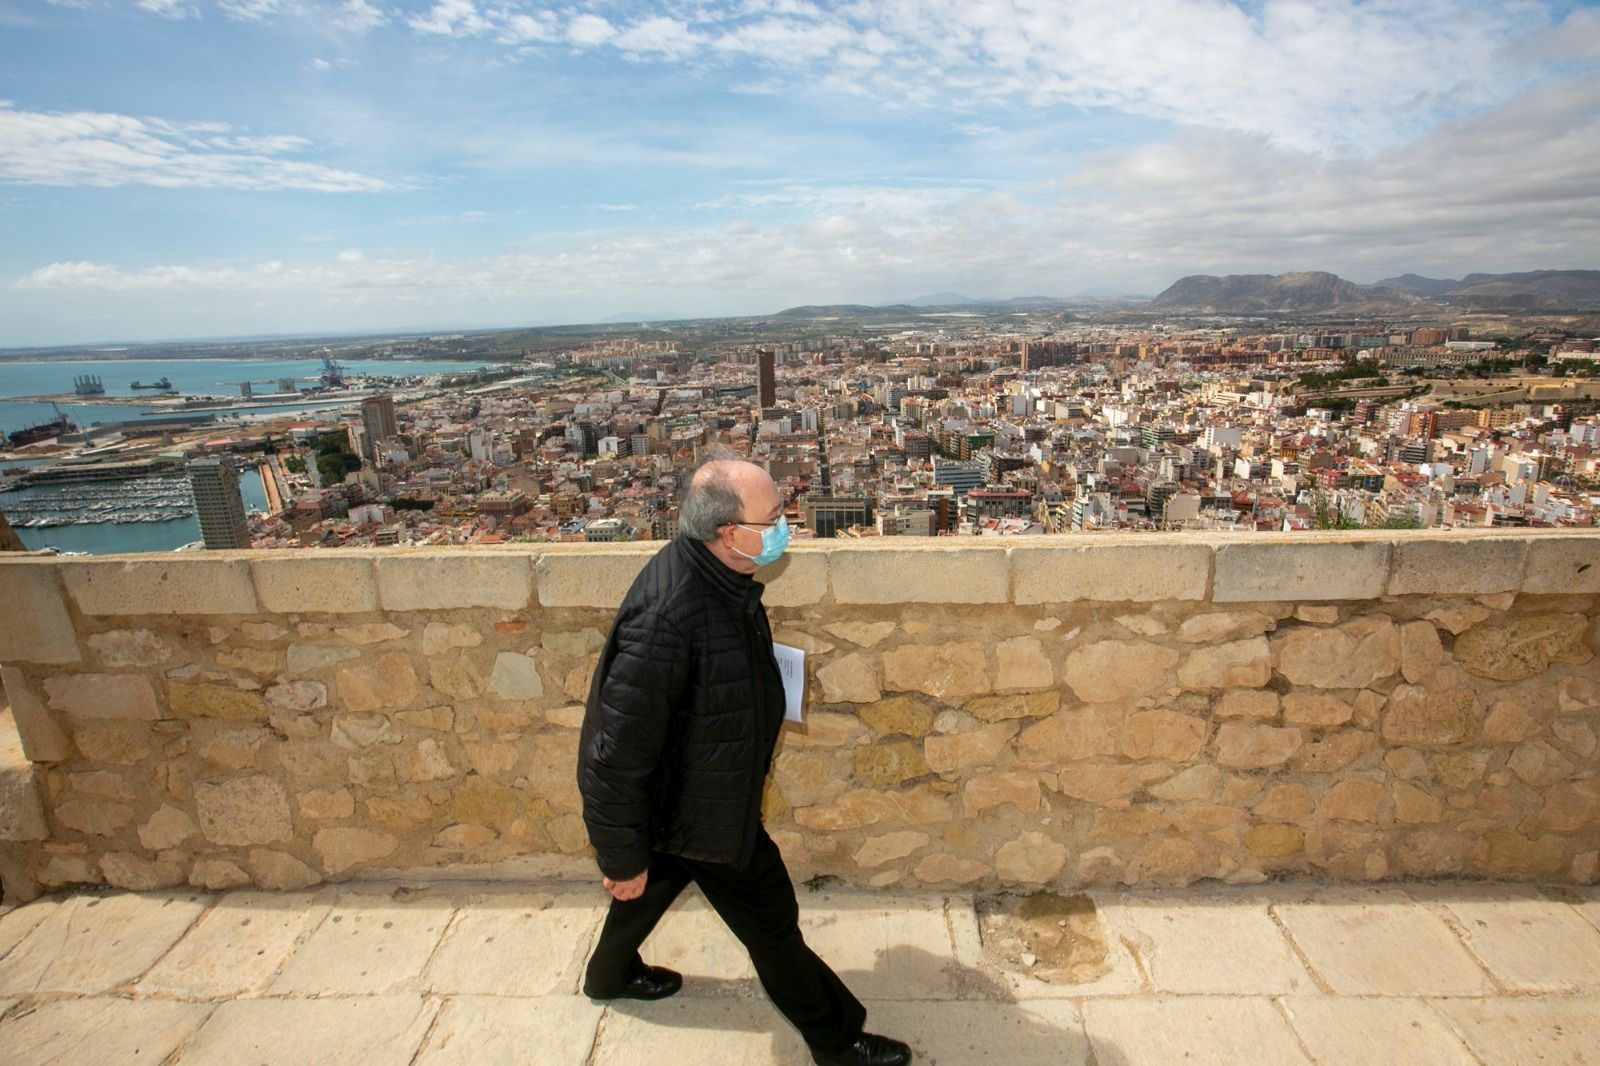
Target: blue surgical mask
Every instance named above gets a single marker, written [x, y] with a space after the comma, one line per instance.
[774, 539]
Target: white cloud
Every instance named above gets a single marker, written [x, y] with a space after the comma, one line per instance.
[590, 30]
[103, 149]
[451, 18]
[359, 16]
[1328, 76]
[172, 9]
[667, 37]
[257, 10]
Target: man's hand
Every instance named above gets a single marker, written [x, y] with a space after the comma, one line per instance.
[632, 888]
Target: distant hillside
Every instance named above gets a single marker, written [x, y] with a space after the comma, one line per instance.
[1545, 289]
[1308, 292]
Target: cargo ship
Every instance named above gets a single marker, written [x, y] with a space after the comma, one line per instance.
[164, 384]
[43, 431]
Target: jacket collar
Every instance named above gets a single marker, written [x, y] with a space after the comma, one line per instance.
[730, 583]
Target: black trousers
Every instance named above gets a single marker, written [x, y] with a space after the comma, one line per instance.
[757, 903]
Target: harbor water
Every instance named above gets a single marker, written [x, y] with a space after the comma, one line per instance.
[149, 514]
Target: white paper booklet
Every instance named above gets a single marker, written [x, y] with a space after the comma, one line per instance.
[792, 665]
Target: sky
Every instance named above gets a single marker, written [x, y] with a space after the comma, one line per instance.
[175, 169]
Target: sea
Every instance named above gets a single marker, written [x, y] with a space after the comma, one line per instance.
[100, 533]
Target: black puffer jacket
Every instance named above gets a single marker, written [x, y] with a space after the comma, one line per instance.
[684, 710]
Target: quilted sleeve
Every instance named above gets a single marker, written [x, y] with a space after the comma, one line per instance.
[647, 678]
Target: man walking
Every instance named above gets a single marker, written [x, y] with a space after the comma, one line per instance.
[683, 715]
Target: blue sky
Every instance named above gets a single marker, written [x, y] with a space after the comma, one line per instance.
[197, 168]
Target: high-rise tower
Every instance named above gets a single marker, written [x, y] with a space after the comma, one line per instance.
[766, 360]
[377, 419]
[218, 504]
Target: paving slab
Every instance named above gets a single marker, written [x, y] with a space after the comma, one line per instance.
[530, 944]
[493, 1031]
[691, 939]
[1193, 1030]
[1530, 943]
[239, 945]
[705, 1032]
[18, 922]
[1380, 942]
[1215, 945]
[93, 1031]
[1042, 1033]
[1343, 1032]
[901, 951]
[92, 943]
[1551, 1029]
[368, 944]
[357, 1031]
[1587, 903]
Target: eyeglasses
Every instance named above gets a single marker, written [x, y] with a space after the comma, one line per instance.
[753, 525]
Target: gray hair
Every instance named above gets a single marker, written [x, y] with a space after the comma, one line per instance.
[710, 502]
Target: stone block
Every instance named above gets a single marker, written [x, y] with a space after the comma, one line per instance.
[1031, 858]
[1353, 655]
[202, 700]
[183, 585]
[94, 697]
[43, 739]
[1300, 569]
[129, 647]
[967, 573]
[964, 751]
[21, 813]
[850, 679]
[1109, 572]
[1423, 718]
[591, 577]
[1016, 788]
[1070, 734]
[944, 671]
[1163, 735]
[1021, 664]
[1563, 564]
[1530, 943]
[875, 851]
[1239, 664]
[423, 580]
[897, 714]
[248, 810]
[515, 677]
[1217, 626]
[889, 762]
[1456, 565]
[799, 579]
[1118, 671]
[1511, 649]
[1000, 708]
[34, 624]
[347, 847]
[315, 583]
[382, 683]
[1255, 747]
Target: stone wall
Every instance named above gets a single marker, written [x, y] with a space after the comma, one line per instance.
[1066, 711]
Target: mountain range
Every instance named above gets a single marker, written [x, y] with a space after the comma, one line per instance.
[1317, 292]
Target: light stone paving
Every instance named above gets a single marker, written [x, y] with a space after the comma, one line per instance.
[1343, 1032]
[99, 1030]
[488, 974]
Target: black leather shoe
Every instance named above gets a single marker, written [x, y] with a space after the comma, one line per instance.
[869, 1050]
[652, 982]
